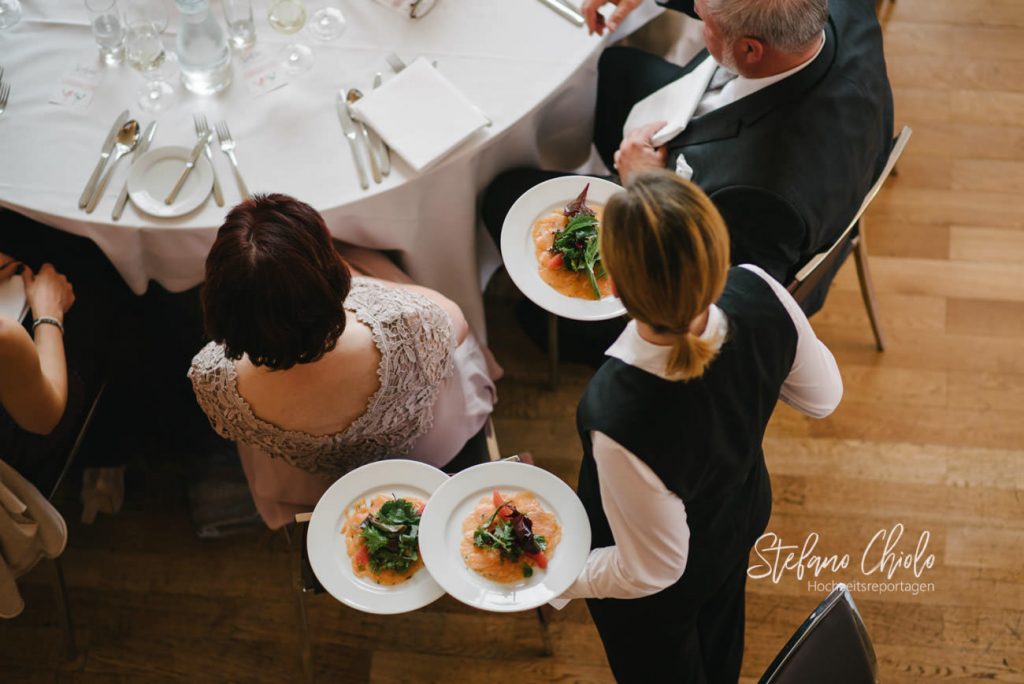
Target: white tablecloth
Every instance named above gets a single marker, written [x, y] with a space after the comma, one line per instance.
[529, 70]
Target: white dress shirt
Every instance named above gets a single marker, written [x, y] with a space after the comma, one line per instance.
[646, 559]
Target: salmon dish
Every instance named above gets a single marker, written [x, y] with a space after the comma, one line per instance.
[509, 536]
[382, 538]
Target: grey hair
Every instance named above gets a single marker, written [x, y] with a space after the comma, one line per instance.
[787, 25]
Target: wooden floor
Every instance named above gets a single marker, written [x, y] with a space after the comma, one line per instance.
[930, 435]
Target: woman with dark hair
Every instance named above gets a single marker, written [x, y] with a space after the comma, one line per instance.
[673, 475]
[314, 370]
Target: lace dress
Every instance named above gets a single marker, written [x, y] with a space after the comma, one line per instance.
[433, 396]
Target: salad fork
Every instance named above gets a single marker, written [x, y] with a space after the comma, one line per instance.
[227, 146]
[202, 128]
[5, 92]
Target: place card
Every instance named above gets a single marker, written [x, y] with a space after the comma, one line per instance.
[262, 73]
[77, 84]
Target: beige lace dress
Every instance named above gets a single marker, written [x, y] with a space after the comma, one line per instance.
[433, 396]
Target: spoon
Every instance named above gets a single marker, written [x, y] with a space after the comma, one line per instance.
[127, 138]
[353, 96]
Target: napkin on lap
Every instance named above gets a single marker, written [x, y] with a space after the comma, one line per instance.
[420, 114]
[674, 103]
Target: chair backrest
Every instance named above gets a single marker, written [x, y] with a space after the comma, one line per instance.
[832, 645]
[807, 277]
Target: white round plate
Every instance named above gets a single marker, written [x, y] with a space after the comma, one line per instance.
[155, 173]
[326, 543]
[518, 251]
[441, 535]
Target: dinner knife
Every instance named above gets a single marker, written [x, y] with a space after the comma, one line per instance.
[565, 11]
[140, 149]
[189, 165]
[108, 147]
[348, 127]
[384, 152]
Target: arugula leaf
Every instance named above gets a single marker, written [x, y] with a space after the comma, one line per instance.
[527, 570]
[579, 247]
[392, 536]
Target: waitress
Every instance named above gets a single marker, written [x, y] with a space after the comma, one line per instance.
[673, 475]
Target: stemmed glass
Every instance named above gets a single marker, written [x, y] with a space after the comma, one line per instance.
[145, 52]
[288, 16]
[326, 21]
[10, 13]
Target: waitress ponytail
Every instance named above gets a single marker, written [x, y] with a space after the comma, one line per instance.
[666, 248]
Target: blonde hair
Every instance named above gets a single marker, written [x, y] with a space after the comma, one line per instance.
[666, 248]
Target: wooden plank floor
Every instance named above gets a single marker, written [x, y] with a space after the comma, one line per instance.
[930, 435]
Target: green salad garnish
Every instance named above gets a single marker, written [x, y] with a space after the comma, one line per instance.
[391, 536]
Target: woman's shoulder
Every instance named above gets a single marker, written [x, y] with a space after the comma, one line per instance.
[209, 366]
[397, 310]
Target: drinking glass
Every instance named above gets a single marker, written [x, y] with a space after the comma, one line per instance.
[145, 52]
[327, 21]
[288, 16]
[241, 28]
[152, 11]
[10, 13]
[107, 29]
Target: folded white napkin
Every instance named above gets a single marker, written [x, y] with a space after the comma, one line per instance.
[420, 114]
[675, 103]
[12, 298]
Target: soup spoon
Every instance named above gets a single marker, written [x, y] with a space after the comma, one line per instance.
[127, 138]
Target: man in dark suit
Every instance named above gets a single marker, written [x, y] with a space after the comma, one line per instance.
[786, 139]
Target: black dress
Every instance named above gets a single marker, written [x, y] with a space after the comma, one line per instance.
[702, 438]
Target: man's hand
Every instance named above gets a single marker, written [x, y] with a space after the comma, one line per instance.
[7, 267]
[49, 293]
[597, 24]
[636, 154]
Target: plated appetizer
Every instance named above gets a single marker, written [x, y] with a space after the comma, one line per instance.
[382, 538]
[507, 536]
[568, 254]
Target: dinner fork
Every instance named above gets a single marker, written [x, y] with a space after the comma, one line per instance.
[202, 128]
[5, 92]
[227, 146]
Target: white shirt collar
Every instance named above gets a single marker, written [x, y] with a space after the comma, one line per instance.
[636, 351]
[741, 86]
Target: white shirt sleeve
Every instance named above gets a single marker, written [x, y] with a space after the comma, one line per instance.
[814, 385]
[648, 522]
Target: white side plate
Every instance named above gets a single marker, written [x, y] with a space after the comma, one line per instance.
[154, 174]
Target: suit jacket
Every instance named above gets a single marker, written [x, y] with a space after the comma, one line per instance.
[789, 165]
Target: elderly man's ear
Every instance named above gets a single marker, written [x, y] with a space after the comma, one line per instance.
[748, 51]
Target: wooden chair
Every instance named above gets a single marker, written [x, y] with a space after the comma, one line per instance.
[832, 645]
[304, 581]
[852, 239]
[884, 9]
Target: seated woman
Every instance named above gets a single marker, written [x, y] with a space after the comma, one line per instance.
[313, 371]
[673, 474]
[40, 406]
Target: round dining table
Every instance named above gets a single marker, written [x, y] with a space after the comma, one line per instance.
[529, 70]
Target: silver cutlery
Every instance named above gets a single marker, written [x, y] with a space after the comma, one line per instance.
[140, 149]
[5, 92]
[395, 62]
[566, 11]
[227, 146]
[202, 128]
[348, 127]
[353, 96]
[126, 140]
[190, 164]
[383, 150]
[108, 146]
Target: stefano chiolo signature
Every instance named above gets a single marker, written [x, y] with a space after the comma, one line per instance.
[882, 556]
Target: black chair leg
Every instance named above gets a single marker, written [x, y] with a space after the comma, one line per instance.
[553, 351]
[545, 632]
[306, 646]
[64, 609]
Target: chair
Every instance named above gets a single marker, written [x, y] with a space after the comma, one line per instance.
[832, 645]
[852, 239]
[884, 9]
[59, 587]
[304, 581]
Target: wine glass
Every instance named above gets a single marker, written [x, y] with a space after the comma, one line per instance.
[10, 13]
[288, 16]
[326, 21]
[145, 52]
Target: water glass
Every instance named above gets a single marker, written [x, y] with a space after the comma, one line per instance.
[154, 12]
[241, 28]
[145, 52]
[10, 13]
[107, 29]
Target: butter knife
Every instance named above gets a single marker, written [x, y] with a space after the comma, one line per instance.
[348, 127]
[565, 11]
[108, 147]
[189, 165]
[384, 152]
[140, 149]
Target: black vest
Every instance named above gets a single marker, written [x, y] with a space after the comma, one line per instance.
[702, 437]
